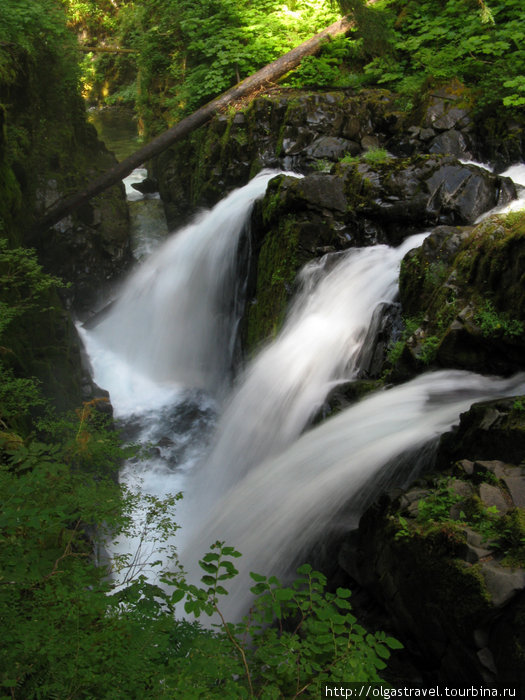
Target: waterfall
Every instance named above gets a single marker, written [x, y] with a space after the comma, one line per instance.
[173, 322]
[320, 344]
[285, 503]
[264, 486]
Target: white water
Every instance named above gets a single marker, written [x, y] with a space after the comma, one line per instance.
[173, 322]
[319, 346]
[260, 488]
[517, 175]
[286, 503]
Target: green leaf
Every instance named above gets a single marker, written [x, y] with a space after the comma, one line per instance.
[257, 577]
[393, 643]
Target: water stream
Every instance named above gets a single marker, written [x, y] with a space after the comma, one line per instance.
[250, 473]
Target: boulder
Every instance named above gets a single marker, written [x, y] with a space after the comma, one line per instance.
[463, 289]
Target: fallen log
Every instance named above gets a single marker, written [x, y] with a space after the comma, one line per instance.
[269, 74]
[105, 49]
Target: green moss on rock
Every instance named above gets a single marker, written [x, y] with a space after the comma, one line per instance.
[277, 266]
[467, 286]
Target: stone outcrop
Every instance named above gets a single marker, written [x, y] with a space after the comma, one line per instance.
[371, 174]
[45, 155]
[90, 249]
[446, 557]
[355, 204]
[308, 132]
[462, 290]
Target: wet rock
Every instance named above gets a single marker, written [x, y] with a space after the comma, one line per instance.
[451, 142]
[296, 139]
[461, 193]
[503, 584]
[447, 283]
[490, 430]
[491, 496]
[332, 148]
[438, 580]
[147, 186]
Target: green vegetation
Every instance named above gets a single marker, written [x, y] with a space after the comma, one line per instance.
[447, 506]
[188, 52]
[480, 277]
[494, 324]
[376, 156]
[459, 39]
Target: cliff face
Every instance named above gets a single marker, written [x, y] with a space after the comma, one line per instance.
[47, 151]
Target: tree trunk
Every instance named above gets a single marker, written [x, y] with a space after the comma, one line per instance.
[270, 73]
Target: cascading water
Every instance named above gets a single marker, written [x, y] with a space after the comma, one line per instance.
[320, 345]
[286, 503]
[173, 322]
[261, 488]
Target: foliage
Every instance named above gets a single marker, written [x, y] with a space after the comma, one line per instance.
[76, 624]
[25, 288]
[376, 156]
[429, 349]
[493, 323]
[70, 631]
[480, 45]
[446, 507]
[395, 348]
[296, 637]
[108, 77]
[23, 25]
[436, 507]
[511, 533]
[24, 285]
[324, 70]
[349, 159]
[189, 51]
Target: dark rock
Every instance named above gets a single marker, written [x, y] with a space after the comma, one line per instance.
[491, 496]
[490, 430]
[331, 147]
[148, 186]
[516, 487]
[296, 139]
[461, 193]
[370, 142]
[502, 583]
[451, 118]
[451, 142]
[319, 191]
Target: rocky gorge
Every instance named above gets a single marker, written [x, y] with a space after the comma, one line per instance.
[442, 558]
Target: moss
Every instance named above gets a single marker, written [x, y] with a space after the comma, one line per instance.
[511, 530]
[276, 270]
[484, 278]
[357, 187]
[292, 105]
[437, 580]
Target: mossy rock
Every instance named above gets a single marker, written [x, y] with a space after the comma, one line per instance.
[465, 289]
[488, 430]
[277, 267]
[52, 355]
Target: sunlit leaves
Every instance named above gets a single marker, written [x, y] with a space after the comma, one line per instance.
[479, 43]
